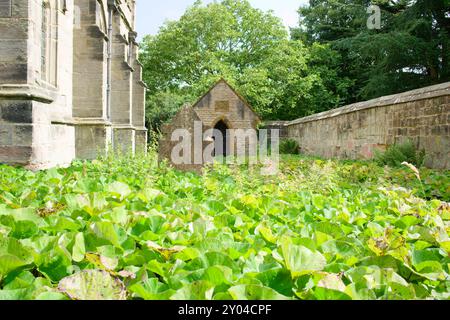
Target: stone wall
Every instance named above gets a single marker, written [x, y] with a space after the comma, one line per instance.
[355, 131]
[138, 112]
[277, 125]
[93, 128]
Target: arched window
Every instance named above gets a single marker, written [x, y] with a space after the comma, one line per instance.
[49, 42]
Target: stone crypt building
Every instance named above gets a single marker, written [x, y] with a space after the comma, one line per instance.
[70, 81]
[221, 108]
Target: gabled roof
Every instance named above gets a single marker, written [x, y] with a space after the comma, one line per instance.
[234, 91]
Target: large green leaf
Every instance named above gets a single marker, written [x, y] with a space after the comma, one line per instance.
[300, 260]
[278, 279]
[9, 263]
[93, 285]
[198, 290]
[17, 294]
[24, 229]
[151, 289]
[119, 189]
[322, 293]
[55, 263]
[255, 292]
[79, 249]
[105, 230]
[13, 255]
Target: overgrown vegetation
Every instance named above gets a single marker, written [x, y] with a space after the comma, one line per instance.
[289, 146]
[397, 154]
[123, 227]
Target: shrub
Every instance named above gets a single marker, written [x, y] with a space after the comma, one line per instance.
[396, 154]
[289, 146]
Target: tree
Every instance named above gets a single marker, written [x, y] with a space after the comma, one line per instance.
[251, 49]
[325, 21]
[410, 50]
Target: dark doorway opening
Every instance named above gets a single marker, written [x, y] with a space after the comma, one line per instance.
[221, 139]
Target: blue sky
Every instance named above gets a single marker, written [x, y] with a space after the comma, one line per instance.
[151, 14]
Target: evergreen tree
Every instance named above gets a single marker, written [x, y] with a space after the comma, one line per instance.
[410, 50]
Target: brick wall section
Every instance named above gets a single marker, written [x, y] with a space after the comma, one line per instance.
[355, 131]
[184, 119]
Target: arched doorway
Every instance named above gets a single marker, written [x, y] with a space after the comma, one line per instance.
[221, 139]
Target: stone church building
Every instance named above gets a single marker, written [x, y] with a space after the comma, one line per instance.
[70, 81]
[221, 108]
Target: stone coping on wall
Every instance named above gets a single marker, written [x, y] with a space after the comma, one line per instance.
[439, 90]
[280, 123]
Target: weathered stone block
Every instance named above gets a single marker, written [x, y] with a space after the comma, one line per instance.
[10, 30]
[5, 8]
[141, 141]
[124, 140]
[17, 111]
[5, 135]
[23, 135]
[15, 155]
[92, 141]
[13, 73]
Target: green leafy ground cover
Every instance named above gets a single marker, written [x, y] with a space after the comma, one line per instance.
[126, 229]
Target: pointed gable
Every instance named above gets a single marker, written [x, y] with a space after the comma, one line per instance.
[223, 102]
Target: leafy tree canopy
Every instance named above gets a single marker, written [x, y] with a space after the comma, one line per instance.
[281, 78]
[411, 49]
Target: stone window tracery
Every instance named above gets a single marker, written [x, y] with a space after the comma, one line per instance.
[49, 42]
